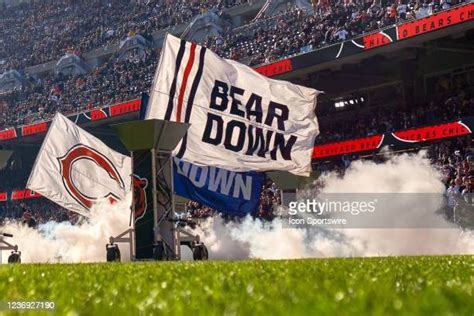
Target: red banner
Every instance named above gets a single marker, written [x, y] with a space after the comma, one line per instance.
[97, 115]
[277, 68]
[3, 196]
[348, 147]
[34, 129]
[24, 195]
[8, 134]
[376, 40]
[432, 132]
[436, 21]
[126, 107]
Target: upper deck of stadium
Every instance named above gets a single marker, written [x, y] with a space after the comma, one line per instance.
[352, 51]
[393, 74]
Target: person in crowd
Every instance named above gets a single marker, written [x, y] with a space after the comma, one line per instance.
[28, 218]
[262, 41]
[77, 27]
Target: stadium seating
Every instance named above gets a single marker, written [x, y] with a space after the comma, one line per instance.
[43, 31]
[449, 106]
[25, 43]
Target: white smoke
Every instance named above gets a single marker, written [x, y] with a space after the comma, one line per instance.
[400, 174]
[62, 242]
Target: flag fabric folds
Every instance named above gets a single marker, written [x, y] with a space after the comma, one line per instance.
[232, 193]
[75, 169]
[240, 120]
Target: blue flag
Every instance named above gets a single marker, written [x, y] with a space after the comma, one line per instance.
[233, 193]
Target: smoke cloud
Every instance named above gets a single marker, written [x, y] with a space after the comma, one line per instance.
[62, 242]
[85, 242]
[400, 174]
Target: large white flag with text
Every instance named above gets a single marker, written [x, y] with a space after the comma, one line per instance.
[240, 120]
[75, 169]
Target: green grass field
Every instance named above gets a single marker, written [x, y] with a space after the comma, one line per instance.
[382, 286]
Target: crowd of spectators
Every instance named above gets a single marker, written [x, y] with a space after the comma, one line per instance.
[41, 210]
[452, 157]
[196, 210]
[35, 212]
[115, 81]
[120, 81]
[270, 198]
[448, 106]
[455, 160]
[110, 83]
[296, 30]
[43, 30]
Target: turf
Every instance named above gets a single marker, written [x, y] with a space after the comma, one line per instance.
[380, 286]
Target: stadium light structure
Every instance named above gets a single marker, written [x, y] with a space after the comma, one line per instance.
[352, 101]
[339, 104]
[155, 232]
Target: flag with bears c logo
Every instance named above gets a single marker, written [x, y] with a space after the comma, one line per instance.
[75, 169]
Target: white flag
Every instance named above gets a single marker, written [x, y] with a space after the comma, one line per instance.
[75, 169]
[240, 120]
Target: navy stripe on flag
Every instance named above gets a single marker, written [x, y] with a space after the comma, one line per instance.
[192, 94]
[179, 58]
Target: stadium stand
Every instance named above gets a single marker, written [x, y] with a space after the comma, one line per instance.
[297, 30]
[361, 122]
[454, 159]
[269, 200]
[110, 83]
[43, 31]
[41, 210]
[265, 40]
[120, 81]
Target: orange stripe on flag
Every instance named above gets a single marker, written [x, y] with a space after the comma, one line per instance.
[187, 71]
